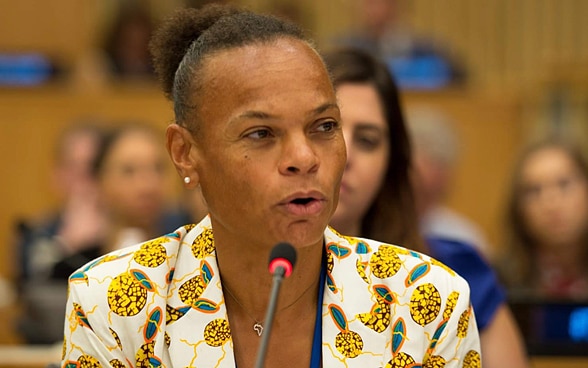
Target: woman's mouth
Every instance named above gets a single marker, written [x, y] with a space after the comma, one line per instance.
[305, 205]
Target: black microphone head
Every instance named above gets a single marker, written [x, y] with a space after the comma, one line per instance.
[284, 255]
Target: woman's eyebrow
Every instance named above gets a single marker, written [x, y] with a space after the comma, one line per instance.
[261, 115]
[324, 107]
[366, 125]
[254, 114]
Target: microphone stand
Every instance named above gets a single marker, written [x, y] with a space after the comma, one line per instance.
[269, 315]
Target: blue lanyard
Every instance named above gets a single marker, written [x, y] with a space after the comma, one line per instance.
[317, 340]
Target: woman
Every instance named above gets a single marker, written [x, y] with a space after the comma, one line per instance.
[75, 228]
[130, 172]
[376, 199]
[548, 222]
[257, 128]
[78, 224]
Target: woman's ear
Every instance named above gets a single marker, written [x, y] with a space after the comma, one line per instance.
[180, 146]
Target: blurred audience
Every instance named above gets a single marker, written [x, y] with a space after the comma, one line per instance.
[436, 149]
[376, 197]
[126, 45]
[417, 61]
[548, 222]
[122, 178]
[75, 228]
[123, 53]
[78, 223]
[131, 168]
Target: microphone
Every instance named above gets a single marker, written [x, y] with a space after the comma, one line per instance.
[281, 262]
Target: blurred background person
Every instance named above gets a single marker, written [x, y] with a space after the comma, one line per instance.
[376, 197]
[417, 61]
[79, 222]
[122, 54]
[128, 171]
[132, 172]
[126, 45]
[547, 222]
[75, 228]
[436, 147]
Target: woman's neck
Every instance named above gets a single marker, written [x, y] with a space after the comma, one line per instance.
[244, 272]
[247, 283]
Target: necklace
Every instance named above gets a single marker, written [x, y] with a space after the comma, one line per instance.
[257, 326]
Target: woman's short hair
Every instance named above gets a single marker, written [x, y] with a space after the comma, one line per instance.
[190, 35]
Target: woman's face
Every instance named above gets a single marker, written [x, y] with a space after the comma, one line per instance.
[554, 199]
[366, 137]
[73, 172]
[133, 179]
[270, 154]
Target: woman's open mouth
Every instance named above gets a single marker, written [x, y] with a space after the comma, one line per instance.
[305, 205]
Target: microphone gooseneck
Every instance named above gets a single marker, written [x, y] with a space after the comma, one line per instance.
[281, 262]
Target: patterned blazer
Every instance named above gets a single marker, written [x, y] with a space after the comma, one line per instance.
[160, 303]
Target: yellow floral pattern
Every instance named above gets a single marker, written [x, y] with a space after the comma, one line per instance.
[472, 360]
[401, 360]
[425, 304]
[151, 253]
[126, 296]
[217, 332]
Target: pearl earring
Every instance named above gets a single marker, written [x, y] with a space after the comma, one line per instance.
[187, 179]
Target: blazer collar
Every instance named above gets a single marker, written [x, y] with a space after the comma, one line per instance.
[204, 318]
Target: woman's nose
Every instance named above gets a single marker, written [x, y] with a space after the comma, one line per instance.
[298, 155]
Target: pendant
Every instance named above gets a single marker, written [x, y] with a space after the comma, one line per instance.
[258, 328]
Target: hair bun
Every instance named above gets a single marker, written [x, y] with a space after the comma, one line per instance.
[171, 41]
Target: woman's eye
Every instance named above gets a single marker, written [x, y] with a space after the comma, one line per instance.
[259, 134]
[367, 143]
[328, 126]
